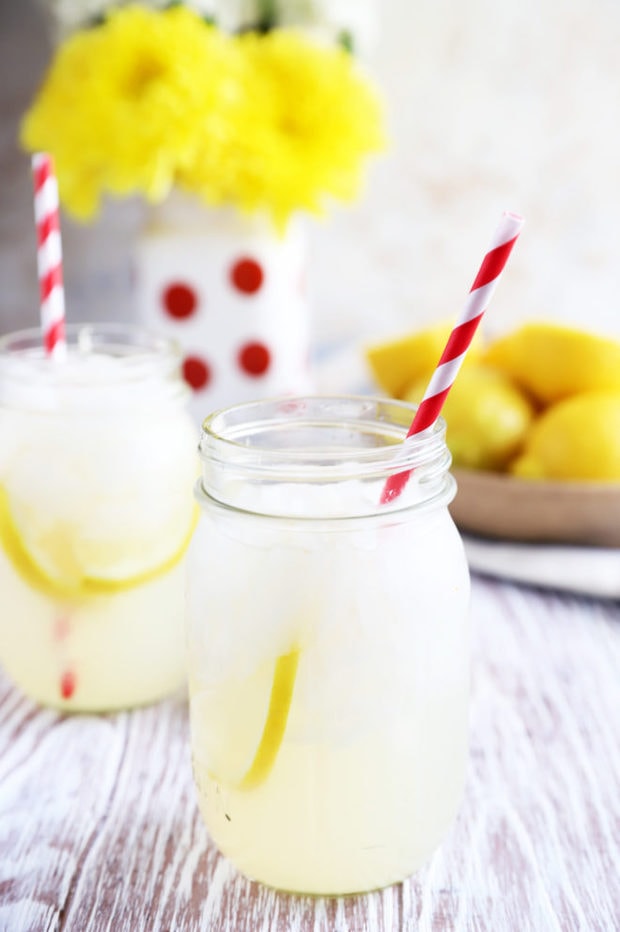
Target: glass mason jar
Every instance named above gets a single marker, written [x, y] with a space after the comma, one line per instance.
[97, 461]
[328, 643]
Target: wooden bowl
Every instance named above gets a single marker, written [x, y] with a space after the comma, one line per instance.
[503, 507]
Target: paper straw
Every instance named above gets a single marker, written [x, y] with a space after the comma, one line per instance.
[462, 334]
[49, 255]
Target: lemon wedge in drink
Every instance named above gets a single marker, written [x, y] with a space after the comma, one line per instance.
[244, 722]
[60, 561]
[285, 674]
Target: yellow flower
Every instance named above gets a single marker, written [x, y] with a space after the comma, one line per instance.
[124, 104]
[307, 120]
[151, 99]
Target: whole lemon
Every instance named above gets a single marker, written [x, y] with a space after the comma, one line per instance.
[575, 439]
[396, 363]
[487, 417]
[552, 362]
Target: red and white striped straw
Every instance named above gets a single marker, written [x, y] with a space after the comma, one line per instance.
[462, 334]
[49, 255]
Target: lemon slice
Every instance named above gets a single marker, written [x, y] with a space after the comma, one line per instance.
[282, 688]
[241, 724]
[54, 572]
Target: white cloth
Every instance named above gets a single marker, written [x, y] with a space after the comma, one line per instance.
[593, 571]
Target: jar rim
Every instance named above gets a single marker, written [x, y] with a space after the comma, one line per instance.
[116, 337]
[129, 357]
[229, 428]
[326, 440]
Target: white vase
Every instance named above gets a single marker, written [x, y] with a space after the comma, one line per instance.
[231, 291]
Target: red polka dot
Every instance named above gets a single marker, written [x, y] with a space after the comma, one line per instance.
[179, 300]
[196, 372]
[247, 275]
[254, 358]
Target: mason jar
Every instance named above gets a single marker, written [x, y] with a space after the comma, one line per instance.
[328, 642]
[97, 461]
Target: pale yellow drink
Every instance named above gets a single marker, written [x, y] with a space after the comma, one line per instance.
[328, 650]
[96, 457]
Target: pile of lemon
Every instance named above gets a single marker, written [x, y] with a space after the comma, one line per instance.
[542, 402]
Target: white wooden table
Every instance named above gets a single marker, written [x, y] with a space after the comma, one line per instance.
[99, 828]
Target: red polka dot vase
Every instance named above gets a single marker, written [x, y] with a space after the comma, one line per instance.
[230, 289]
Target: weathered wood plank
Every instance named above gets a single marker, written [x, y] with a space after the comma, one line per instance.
[99, 827]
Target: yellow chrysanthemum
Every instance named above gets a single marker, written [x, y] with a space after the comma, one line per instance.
[125, 103]
[152, 99]
[306, 122]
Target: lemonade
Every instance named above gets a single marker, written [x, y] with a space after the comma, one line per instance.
[96, 458]
[328, 644]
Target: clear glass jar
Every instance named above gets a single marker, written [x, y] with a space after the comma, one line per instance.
[97, 461]
[328, 643]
